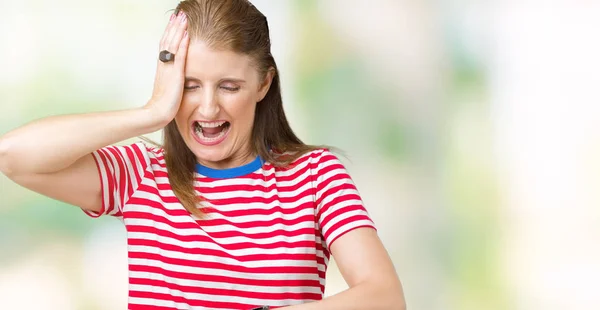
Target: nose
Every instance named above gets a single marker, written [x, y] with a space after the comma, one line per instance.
[209, 107]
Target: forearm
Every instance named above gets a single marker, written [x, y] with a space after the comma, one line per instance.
[54, 143]
[360, 297]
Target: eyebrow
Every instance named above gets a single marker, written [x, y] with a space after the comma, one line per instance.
[234, 80]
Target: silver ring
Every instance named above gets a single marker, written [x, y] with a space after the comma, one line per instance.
[166, 56]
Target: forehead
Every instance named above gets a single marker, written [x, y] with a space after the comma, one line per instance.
[205, 62]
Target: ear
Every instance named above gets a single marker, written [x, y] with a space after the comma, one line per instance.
[264, 86]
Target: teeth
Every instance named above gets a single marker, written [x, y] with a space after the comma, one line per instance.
[211, 124]
[199, 133]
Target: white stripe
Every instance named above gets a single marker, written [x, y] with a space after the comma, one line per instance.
[156, 211]
[194, 270]
[115, 172]
[336, 207]
[222, 259]
[269, 217]
[226, 227]
[340, 217]
[262, 229]
[306, 199]
[233, 207]
[346, 228]
[274, 192]
[214, 246]
[333, 173]
[343, 203]
[104, 182]
[225, 285]
[215, 298]
[227, 240]
[131, 168]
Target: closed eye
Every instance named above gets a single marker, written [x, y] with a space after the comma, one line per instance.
[231, 89]
[190, 87]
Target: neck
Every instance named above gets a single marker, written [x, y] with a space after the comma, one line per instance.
[238, 159]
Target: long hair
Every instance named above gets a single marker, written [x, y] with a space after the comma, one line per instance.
[239, 26]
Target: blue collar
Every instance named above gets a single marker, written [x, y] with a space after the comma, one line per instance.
[230, 172]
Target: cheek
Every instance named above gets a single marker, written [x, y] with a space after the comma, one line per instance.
[186, 107]
[240, 108]
[182, 116]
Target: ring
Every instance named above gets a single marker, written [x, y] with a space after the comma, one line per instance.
[166, 56]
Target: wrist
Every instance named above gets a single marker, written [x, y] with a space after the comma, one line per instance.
[156, 119]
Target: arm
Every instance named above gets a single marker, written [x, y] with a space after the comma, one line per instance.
[52, 156]
[369, 272]
[351, 238]
[65, 139]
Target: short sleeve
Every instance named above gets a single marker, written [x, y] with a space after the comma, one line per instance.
[339, 206]
[121, 169]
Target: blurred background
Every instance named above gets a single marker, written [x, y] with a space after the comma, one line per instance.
[472, 130]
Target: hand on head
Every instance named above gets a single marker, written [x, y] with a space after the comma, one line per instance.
[169, 80]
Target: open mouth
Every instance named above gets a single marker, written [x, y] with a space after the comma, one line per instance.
[210, 132]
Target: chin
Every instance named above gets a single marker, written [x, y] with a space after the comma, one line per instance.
[213, 155]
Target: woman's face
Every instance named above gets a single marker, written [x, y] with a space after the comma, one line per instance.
[216, 115]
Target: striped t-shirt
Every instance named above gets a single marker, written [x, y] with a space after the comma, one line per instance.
[264, 241]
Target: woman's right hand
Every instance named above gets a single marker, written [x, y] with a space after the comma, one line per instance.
[170, 76]
[67, 171]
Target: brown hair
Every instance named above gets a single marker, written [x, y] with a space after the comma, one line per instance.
[239, 26]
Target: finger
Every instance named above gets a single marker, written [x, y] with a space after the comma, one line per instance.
[163, 40]
[173, 31]
[176, 39]
[182, 50]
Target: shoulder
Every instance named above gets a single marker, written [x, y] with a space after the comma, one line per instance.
[317, 160]
[138, 152]
[145, 149]
[316, 155]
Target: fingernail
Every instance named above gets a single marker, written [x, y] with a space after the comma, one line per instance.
[185, 34]
[172, 17]
[183, 18]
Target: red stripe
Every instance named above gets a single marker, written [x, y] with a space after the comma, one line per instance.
[277, 209]
[220, 253]
[108, 206]
[283, 208]
[308, 231]
[216, 277]
[227, 247]
[217, 222]
[265, 200]
[194, 303]
[337, 214]
[119, 167]
[135, 162]
[236, 200]
[335, 227]
[349, 230]
[226, 233]
[100, 167]
[340, 196]
[325, 188]
[225, 292]
[212, 188]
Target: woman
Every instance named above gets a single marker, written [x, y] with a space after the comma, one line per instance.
[234, 211]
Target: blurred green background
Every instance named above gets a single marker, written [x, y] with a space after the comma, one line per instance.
[470, 127]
